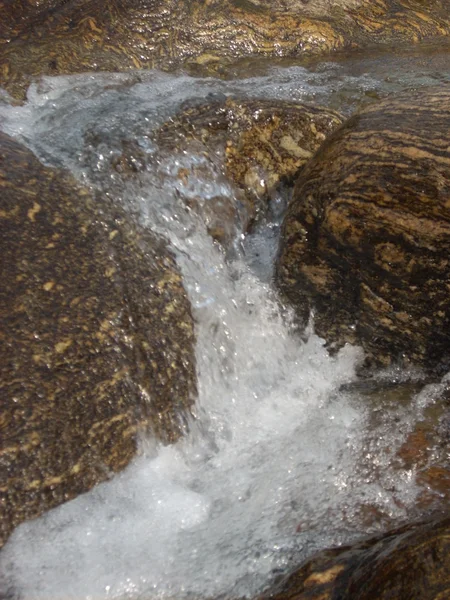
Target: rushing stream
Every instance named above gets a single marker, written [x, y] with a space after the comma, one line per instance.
[282, 459]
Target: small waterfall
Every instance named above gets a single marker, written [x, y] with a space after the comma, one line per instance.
[280, 459]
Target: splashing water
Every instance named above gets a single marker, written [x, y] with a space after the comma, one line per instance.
[279, 460]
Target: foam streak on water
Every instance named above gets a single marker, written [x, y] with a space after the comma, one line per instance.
[276, 464]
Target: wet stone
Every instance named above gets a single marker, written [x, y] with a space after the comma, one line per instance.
[410, 563]
[247, 148]
[422, 455]
[366, 238]
[97, 338]
[58, 37]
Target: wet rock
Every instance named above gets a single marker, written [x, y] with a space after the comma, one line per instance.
[265, 141]
[425, 452]
[56, 36]
[411, 563]
[97, 339]
[247, 149]
[16, 16]
[366, 239]
[414, 448]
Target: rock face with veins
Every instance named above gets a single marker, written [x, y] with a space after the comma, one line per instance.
[366, 238]
[97, 338]
[74, 36]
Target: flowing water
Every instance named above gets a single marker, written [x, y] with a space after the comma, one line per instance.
[281, 459]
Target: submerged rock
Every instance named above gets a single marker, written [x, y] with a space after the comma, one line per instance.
[410, 563]
[97, 338]
[425, 452]
[417, 450]
[57, 36]
[366, 239]
[245, 148]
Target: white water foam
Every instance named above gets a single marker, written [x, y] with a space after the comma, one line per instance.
[278, 462]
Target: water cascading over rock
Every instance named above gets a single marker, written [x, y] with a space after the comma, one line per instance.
[250, 147]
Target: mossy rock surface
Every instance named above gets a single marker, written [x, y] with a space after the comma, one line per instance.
[366, 238]
[410, 563]
[74, 36]
[97, 338]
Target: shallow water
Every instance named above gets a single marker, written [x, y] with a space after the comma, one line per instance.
[281, 460]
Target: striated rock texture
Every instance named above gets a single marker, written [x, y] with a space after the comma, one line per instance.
[366, 239]
[249, 147]
[73, 36]
[411, 563]
[96, 338]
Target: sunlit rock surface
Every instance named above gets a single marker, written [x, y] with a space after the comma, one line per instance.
[97, 340]
[366, 238]
[411, 563]
[57, 37]
[252, 146]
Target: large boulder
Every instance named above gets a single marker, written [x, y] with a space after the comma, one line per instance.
[366, 238]
[410, 563]
[97, 338]
[57, 36]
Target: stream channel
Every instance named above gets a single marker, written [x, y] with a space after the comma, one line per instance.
[284, 456]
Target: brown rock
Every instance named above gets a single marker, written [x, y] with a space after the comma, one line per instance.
[56, 36]
[269, 141]
[366, 238]
[254, 145]
[425, 451]
[411, 563]
[97, 340]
